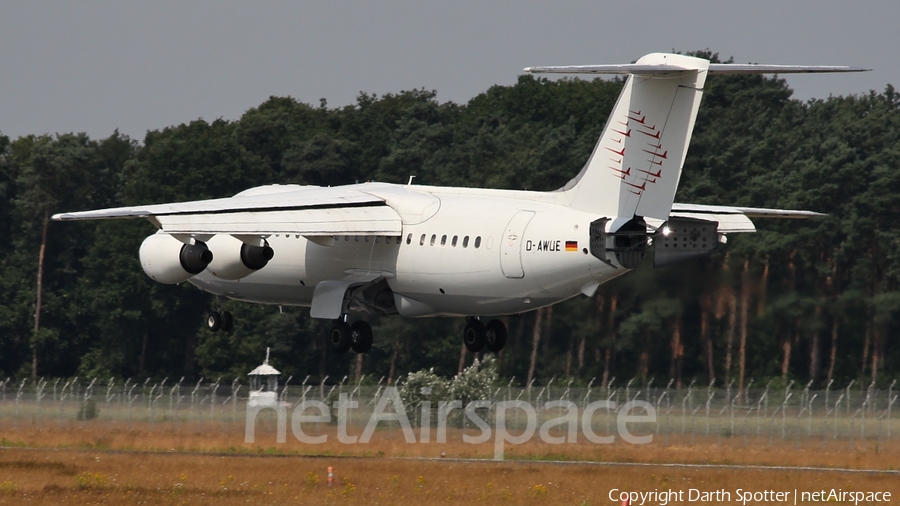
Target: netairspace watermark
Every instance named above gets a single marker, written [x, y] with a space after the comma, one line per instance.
[390, 408]
[744, 496]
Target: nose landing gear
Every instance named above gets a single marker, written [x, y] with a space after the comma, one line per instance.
[477, 335]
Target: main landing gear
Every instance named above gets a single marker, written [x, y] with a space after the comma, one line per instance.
[477, 335]
[357, 336]
[220, 320]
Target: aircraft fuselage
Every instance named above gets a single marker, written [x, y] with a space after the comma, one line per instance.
[463, 252]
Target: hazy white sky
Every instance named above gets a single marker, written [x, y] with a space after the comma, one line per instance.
[95, 66]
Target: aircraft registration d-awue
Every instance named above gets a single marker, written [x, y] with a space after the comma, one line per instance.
[422, 251]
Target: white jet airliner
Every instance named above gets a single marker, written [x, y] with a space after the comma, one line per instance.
[423, 251]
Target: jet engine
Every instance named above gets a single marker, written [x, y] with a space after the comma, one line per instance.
[168, 260]
[235, 259]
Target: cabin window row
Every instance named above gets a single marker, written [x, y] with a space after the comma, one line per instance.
[454, 241]
[443, 240]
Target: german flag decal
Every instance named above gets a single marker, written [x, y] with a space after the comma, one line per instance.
[571, 245]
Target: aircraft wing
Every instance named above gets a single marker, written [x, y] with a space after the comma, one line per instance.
[289, 209]
[734, 219]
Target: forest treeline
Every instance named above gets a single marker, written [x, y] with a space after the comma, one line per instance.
[805, 300]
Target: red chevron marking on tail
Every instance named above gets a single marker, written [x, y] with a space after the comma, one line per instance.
[657, 174]
[663, 155]
[642, 187]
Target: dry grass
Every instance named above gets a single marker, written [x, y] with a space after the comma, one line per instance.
[218, 438]
[84, 477]
[58, 474]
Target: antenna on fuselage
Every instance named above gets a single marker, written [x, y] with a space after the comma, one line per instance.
[409, 183]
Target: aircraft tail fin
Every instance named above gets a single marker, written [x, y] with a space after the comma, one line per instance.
[636, 164]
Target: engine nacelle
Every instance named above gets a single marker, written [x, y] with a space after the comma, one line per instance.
[168, 260]
[235, 259]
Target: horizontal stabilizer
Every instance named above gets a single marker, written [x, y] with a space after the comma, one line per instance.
[751, 212]
[731, 220]
[714, 68]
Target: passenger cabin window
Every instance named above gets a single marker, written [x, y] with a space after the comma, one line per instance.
[478, 242]
[378, 239]
[422, 240]
[444, 240]
[455, 237]
[466, 242]
[433, 238]
[408, 239]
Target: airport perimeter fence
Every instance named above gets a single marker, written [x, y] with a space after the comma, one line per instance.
[691, 415]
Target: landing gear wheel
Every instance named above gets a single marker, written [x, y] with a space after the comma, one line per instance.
[340, 337]
[227, 321]
[474, 335]
[361, 336]
[214, 322]
[495, 336]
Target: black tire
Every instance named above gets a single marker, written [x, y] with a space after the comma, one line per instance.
[213, 322]
[495, 336]
[361, 336]
[474, 335]
[340, 337]
[227, 321]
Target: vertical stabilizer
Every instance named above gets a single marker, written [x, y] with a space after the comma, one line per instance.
[636, 164]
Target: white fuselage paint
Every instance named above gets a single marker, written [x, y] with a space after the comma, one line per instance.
[491, 270]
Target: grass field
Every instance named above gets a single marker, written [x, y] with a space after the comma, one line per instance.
[86, 477]
[143, 463]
